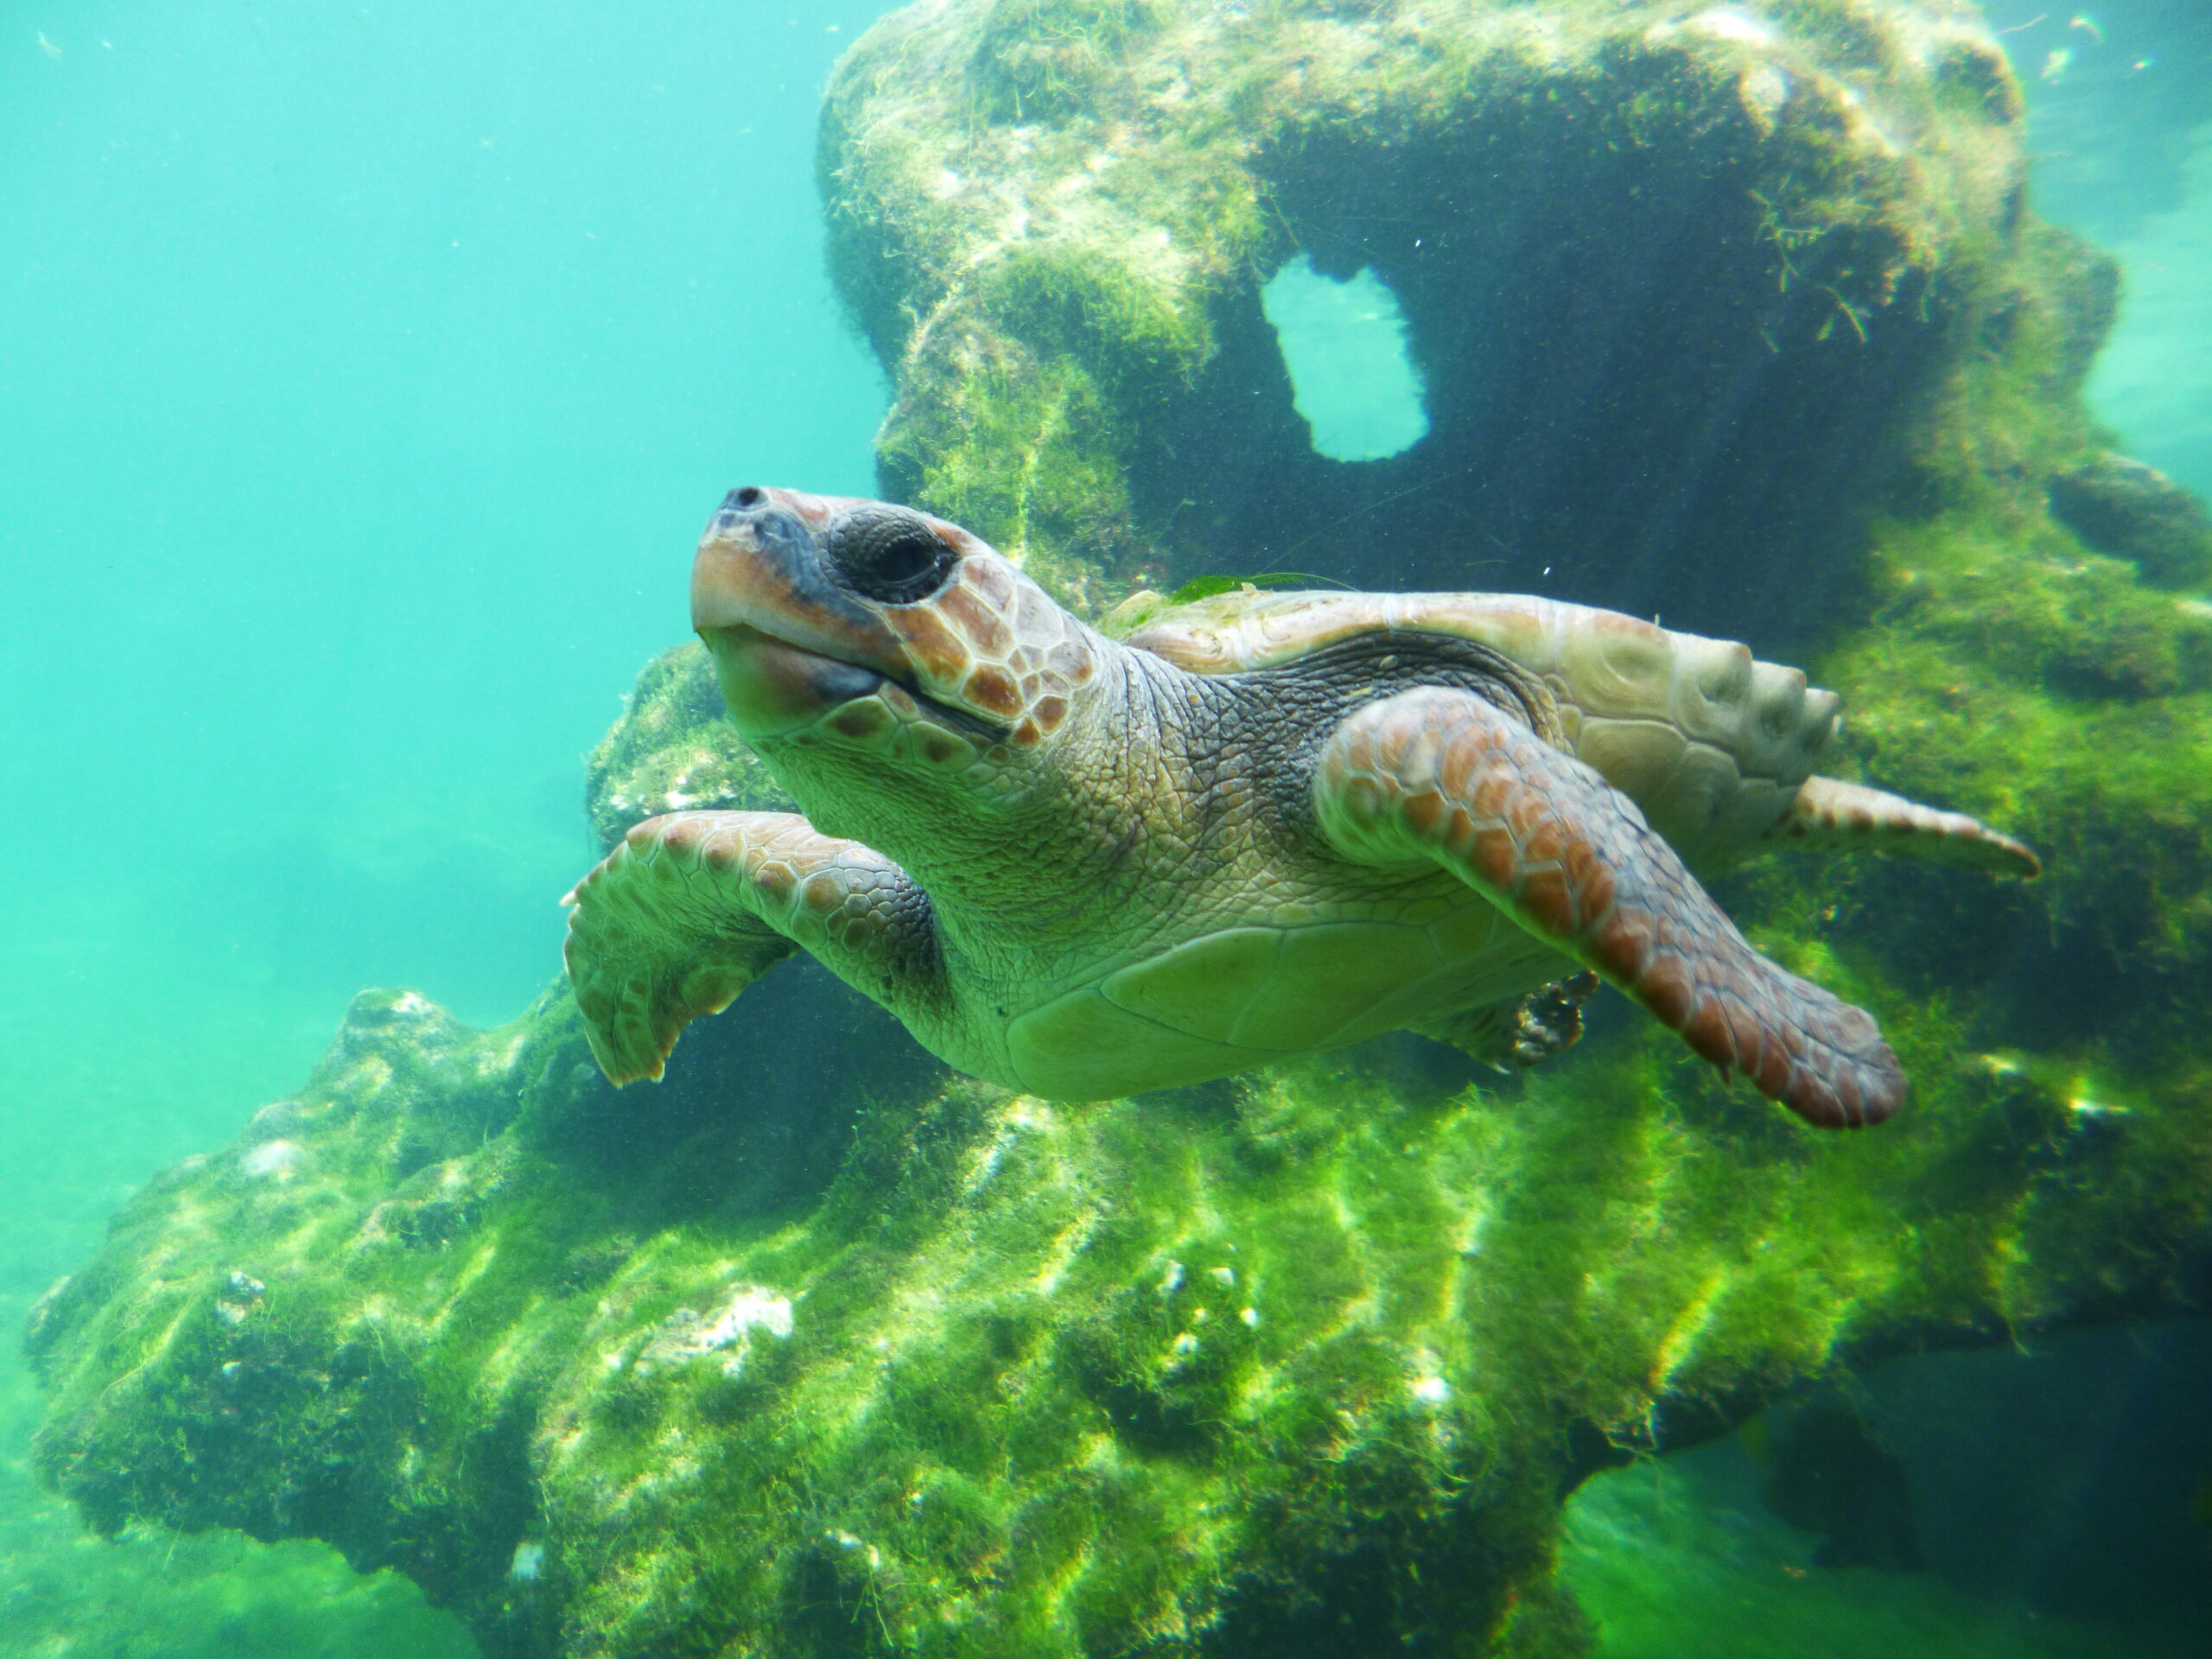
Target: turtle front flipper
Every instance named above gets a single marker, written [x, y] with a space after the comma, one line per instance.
[1447, 776]
[693, 907]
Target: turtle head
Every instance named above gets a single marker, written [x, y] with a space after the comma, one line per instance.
[865, 647]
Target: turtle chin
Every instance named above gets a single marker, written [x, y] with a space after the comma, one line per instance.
[786, 697]
[774, 688]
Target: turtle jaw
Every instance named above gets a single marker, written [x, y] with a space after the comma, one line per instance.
[773, 686]
[759, 583]
[879, 659]
[792, 647]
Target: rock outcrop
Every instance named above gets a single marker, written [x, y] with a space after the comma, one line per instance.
[1682, 282]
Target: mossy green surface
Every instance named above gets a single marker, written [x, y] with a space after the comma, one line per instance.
[672, 751]
[151, 1594]
[1307, 1359]
[1053, 218]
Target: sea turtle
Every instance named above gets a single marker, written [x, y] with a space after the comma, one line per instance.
[1259, 825]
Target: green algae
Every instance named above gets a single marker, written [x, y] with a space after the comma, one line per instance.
[672, 751]
[1054, 220]
[1041, 58]
[1308, 1352]
[207, 1596]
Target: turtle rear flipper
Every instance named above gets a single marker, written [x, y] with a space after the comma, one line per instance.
[1828, 813]
[1523, 1033]
[693, 907]
[1446, 777]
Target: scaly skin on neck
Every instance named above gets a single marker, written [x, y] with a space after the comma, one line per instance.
[1066, 852]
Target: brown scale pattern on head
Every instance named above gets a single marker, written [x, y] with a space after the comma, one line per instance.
[993, 642]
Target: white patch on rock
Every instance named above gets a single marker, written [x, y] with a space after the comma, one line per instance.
[272, 1161]
[241, 1298]
[277, 1115]
[1765, 89]
[1734, 23]
[846, 1541]
[687, 1334]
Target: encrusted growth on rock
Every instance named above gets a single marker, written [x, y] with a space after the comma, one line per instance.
[672, 751]
[965, 1373]
[1679, 284]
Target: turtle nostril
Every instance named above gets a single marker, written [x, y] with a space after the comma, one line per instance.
[750, 496]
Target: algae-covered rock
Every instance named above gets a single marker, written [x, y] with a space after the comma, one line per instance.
[1680, 280]
[672, 751]
[2133, 512]
[768, 1361]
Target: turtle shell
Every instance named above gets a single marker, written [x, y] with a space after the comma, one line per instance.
[1710, 742]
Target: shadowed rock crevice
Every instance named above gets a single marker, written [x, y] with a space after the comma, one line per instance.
[1631, 403]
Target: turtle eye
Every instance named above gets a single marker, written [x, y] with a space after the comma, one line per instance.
[890, 555]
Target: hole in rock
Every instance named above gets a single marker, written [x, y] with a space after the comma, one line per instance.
[1344, 345]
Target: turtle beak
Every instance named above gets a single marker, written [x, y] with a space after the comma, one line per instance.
[788, 643]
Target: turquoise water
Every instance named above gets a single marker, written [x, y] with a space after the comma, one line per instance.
[2121, 101]
[369, 372]
[365, 373]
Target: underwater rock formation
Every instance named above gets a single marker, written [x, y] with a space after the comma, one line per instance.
[672, 751]
[1681, 282]
[1828, 1472]
[2133, 512]
[814, 1350]
[808, 1353]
